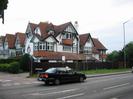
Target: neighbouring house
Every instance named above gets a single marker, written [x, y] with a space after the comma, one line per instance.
[2, 46]
[92, 48]
[12, 45]
[9, 46]
[49, 42]
[99, 50]
[86, 46]
[20, 43]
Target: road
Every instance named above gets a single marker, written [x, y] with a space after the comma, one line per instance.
[106, 87]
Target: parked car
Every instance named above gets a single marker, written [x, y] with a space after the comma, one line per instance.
[60, 75]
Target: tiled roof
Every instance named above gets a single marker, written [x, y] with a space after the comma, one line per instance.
[10, 38]
[58, 55]
[45, 27]
[83, 38]
[32, 26]
[21, 37]
[94, 50]
[60, 28]
[98, 44]
[67, 42]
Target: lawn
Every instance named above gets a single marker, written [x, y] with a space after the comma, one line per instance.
[104, 71]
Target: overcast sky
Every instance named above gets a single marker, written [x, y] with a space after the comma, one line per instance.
[102, 18]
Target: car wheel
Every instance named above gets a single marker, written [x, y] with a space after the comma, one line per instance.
[81, 79]
[57, 82]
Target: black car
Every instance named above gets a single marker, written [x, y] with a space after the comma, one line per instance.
[60, 75]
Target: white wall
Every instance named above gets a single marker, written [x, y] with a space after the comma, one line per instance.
[96, 56]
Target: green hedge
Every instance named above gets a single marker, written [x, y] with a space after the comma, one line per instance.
[10, 60]
[13, 67]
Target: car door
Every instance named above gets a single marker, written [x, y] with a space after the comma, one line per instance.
[72, 76]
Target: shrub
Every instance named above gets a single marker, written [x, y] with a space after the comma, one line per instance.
[10, 60]
[25, 62]
[4, 67]
[14, 67]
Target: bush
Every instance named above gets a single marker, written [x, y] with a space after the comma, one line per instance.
[25, 62]
[14, 67]
[4, 67]
[10, 60]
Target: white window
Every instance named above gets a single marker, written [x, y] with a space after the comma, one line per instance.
[50, 46]
[67, 36]
[87, 50]
[66, 48]
[74, 48]
[36, 46]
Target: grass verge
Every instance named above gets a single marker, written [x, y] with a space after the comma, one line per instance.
[104, 71]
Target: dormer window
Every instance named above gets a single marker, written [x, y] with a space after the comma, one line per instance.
[37, 31]
[51, 32]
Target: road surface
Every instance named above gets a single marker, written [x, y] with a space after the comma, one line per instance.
[106, 87]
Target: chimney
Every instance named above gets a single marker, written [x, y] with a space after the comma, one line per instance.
[76, 25]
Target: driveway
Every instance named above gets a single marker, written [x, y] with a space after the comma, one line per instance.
[7, 79]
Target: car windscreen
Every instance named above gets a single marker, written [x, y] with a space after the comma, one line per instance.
[51, 70]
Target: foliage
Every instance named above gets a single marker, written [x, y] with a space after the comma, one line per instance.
[129, 53]
[14, 67]
[113, 56]
[10, 60]
[25, 62]
[3, 4]
[116, 56]
[4, 67]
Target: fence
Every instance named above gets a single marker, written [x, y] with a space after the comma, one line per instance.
[77, 65]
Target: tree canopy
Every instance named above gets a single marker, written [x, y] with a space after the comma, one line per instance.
[116, 56]
[3, 4]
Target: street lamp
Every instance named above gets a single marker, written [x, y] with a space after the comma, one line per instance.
[124, 41]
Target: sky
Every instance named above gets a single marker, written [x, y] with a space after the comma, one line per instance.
[103, 19]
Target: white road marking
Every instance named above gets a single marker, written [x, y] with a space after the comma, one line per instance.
[16, 84]
[71, 96]
[5, 81]
[116, 86]
[114, 98]
[36, 94]
[6, 85]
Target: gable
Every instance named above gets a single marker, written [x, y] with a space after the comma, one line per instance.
[70, 29]
[50, 39]
[28, 29]
[35, 39]
[89, 43]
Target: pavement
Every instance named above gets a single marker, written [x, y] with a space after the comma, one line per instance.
[25, 76]
[7, 79]
[107, 74]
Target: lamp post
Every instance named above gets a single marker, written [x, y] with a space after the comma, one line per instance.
[124, 41]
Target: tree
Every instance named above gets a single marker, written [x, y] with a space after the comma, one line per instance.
[113, 57]
[118, 56]
[3, 6]
[129, 53]
[25, 62]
